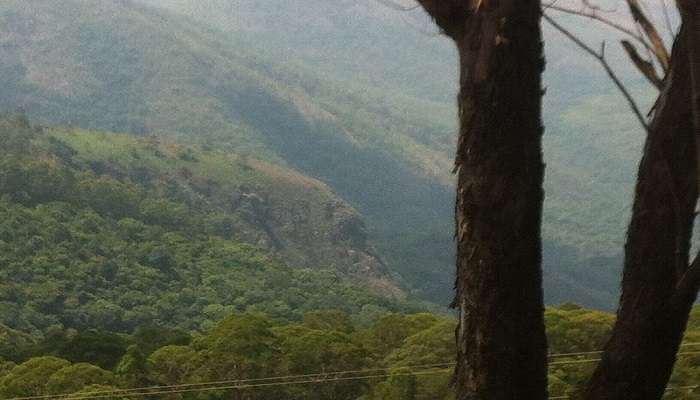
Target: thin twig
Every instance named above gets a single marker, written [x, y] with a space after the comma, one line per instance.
[600, 56]
[650, 52]
[595, 7]
[549, 5]
[604, 20]
[660, 50]
[645, 66]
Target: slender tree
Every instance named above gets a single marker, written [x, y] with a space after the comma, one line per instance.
[658, 288]
[501, 337]
[659, 285]
[690, 13]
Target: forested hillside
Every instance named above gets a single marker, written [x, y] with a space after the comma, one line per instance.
[386, 357]
[135, 262]
[121, 66]
[592, 141]
[254, 200]
[348, 92]
[108, 231]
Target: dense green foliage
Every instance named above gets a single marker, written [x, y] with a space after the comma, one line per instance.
[83, 245]
[391, 357]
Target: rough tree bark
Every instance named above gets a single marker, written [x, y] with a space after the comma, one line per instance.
[502, 349]
[658, 287]
[690, 13]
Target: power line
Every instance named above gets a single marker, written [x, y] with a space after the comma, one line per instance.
[236, 381]
[248, 383]
[258, 385]
[587, 361]
[314, 381]
[687, 353]
[585, 353]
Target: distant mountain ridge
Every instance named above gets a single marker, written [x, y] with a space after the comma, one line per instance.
[110, 229]
[347, 92]
[592, 141]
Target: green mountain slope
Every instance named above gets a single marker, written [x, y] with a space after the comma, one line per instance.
[121, 66]
[110, 232]
[274, 208]
[592, 143]
[350, 93]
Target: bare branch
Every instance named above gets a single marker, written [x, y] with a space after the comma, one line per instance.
[651, 32]
[592, 14]
[549, 5]
[646, 67]
[595, 7]
[649, 50]
[600, 56]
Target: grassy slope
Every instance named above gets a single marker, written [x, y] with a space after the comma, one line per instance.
[108, 229]
[273, 207]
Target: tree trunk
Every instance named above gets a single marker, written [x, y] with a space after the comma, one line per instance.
[658, 288]
[502, 349]
[690, 13]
